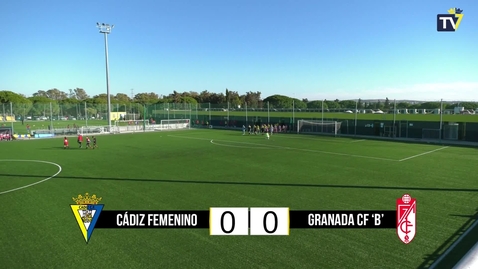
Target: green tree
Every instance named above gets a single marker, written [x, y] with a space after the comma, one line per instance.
[279, 101]
[403, 105]
[429, 105]
[152, 98]
[80, 94]
[348, 104]
[317, 104]
[41, 107]
[21, 105]
[386, 105]
[360, 104]
[332, 104]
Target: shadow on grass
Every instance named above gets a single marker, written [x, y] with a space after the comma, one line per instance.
[248, 183]
[62, 148]
[456, 253]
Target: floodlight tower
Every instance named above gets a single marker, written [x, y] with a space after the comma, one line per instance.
[106, 30]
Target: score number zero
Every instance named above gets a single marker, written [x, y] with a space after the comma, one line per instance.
[245, 221]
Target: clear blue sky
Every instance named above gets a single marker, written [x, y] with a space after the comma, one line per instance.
[307, 48]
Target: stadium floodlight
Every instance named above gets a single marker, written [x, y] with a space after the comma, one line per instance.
[106, 30]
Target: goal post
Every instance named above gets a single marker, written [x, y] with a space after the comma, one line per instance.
[318, 127]
[174, 124]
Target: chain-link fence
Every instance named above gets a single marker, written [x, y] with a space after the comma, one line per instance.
[421, 120]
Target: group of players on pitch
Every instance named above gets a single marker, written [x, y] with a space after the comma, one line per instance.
[80, 142]
[266, 129]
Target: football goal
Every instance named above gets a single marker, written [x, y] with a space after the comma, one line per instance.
[318, 127]
[173, 124]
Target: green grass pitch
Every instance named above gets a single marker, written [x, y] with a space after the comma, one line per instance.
[339, 116]
[184, 170]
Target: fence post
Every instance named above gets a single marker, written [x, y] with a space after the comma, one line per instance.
[11, 115]
[293, 114]
[86, 116]
[246, 113]
[51, 118]
[441, 117]
[394, 115]
[322, 125]
[144, 118]
[356, 114]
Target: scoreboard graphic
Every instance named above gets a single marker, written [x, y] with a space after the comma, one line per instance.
[245, 221]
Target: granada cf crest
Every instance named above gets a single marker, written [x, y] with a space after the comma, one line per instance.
[406, 218]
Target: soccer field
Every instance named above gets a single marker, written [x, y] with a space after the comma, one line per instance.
[199, 169]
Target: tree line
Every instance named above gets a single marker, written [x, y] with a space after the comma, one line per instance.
[74, 97]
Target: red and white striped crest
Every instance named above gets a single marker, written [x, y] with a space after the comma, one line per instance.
[406, 218]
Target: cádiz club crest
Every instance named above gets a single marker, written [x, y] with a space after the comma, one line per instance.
[406, 218]
[86, 212]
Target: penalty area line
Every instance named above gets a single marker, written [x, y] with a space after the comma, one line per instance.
[35, 183]
[237, 146]
[421, 154]
[289, 148]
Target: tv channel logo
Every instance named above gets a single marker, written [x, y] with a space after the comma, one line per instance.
[451, 21]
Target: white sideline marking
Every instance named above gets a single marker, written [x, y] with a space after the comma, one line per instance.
[230, 141]
[242, 147]
[435, 264]
[357, 141]
[293, 136]
[289, 148]
[421, 154]
[38, 182]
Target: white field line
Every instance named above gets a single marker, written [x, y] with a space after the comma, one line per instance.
[355, 141]
[289, 148]
[421, 154]
[35, 183]
[289, 136]
[437, 262]
[235, 146]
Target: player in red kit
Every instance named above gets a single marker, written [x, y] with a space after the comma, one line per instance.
[65, 143]
[80, 140]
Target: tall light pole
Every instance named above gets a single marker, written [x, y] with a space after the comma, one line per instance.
[106, 29]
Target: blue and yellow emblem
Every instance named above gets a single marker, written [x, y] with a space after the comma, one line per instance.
[86, 211]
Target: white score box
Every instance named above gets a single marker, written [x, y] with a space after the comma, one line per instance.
[229, 221]
[270, 221]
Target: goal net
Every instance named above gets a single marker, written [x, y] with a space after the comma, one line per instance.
[173, 124]
[318, 126]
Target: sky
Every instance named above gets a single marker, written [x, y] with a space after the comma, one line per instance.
[312, 49]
